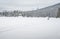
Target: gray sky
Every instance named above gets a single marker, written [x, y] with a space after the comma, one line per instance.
[25, 4]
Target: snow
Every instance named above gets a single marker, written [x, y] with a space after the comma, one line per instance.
[29, 28]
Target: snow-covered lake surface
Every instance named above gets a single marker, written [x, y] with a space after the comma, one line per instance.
[29, 28]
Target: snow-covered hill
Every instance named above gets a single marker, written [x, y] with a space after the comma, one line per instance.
[29, 28]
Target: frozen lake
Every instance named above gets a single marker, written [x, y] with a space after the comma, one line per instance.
[29, 28]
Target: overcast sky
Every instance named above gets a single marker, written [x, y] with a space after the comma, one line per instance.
[25, 4]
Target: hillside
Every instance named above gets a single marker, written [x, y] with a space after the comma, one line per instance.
[50, 11]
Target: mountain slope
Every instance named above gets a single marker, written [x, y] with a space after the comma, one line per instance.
[48, 11]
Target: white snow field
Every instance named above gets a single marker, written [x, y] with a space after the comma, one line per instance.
[29, 28]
